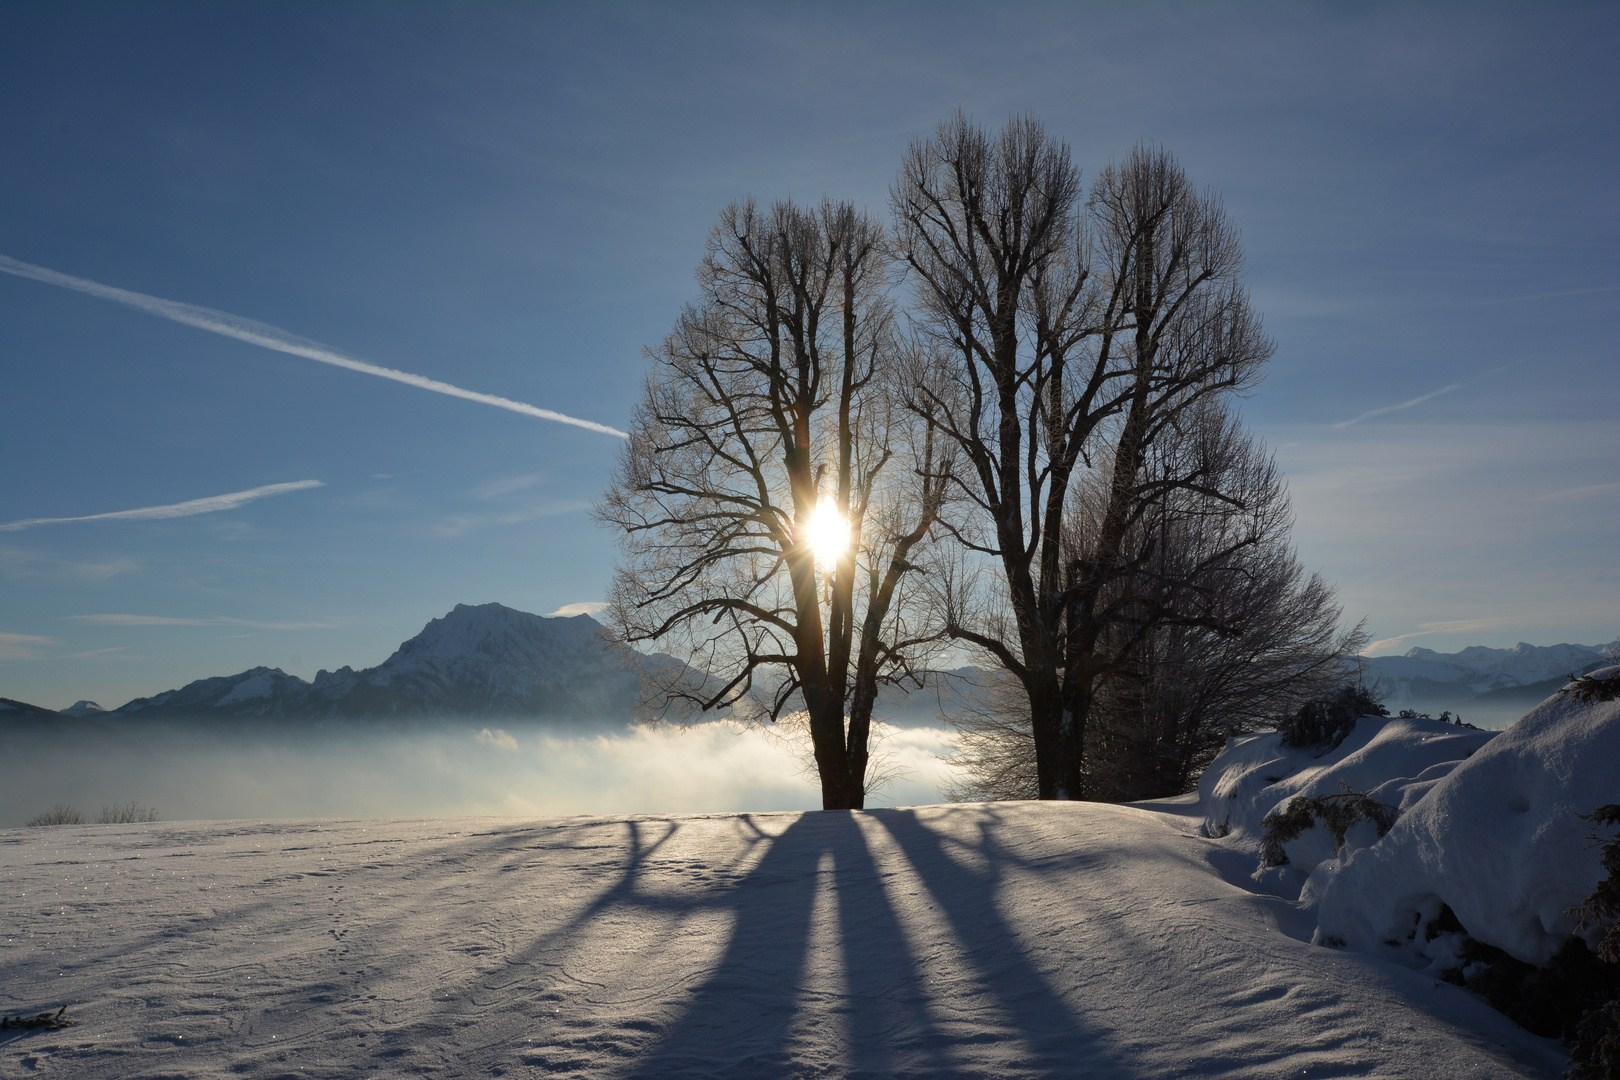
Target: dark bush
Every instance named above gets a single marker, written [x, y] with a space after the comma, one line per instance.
[125, 814]
[1596, 1042]
[1445, 717]
[1603, 906]
[1326, 721]
[1590, 689]
[58, 814]
[1335, 812]
[1550, 1000]
[1595, 1054]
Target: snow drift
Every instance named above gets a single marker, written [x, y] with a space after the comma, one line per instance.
[1489, 828]
[1499, 840]
[1395, 760]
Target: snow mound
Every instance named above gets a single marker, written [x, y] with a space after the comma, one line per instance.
[1394, 760]
[1499, 841]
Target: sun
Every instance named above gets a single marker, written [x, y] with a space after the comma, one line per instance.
[828, 533]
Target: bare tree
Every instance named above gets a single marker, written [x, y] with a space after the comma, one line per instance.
[1081, 336]
[769, 431]
[1216, 630]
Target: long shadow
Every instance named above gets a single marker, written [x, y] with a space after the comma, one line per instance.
[739, 1023]
[1059, 1045]
[889, 1018]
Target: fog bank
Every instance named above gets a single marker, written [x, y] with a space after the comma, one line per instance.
[204, 771]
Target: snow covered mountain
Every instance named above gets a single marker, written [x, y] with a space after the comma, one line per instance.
[485, 661]
[1494, 685]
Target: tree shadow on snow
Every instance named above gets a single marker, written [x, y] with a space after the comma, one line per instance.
[967, 896]
[750, 1018]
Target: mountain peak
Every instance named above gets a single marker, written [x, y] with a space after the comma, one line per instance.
[475, 660]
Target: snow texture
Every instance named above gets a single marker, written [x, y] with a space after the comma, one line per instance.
[1005, 940]
[1499, 840]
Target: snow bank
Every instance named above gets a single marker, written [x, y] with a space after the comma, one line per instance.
[1499, 841]
[1395, 760]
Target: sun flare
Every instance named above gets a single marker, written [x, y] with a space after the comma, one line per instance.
[828, 533]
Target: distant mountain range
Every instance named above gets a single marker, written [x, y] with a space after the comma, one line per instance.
[486, 661]
[494, 662]
[1496, 686]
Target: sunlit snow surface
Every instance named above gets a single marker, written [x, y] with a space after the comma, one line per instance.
[1011, 940]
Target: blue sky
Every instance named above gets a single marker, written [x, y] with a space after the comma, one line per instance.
[511, 199]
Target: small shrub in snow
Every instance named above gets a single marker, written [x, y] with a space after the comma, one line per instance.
[1594, 687]
[1337, 813]
[1596, 1042]
[1445, 717]
[1550, 1000]
[126, 814]
[1595, 1054]
[1326, 721]
[58, 814]
[1603, 906]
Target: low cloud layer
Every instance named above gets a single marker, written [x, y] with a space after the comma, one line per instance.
[200, 772]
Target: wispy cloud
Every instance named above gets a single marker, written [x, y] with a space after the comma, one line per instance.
[1453, 626]
[112, 619]
[1554, 295]
[21, 646]
[1397, 408]
[93, 652]
[587, 607]
[1458, 626]
[460, 526]
[1570, 493]
[25, 639]
[211, 504]
[22, 565]
[273, 337]
[495, 489]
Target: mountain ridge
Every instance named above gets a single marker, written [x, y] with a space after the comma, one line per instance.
[485, 660]
[1493, 685]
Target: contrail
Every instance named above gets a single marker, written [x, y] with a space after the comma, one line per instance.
[174, 510]
[1397, 408]
[273, 337]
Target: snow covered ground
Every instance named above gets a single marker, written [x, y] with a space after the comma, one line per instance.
[1004, 940]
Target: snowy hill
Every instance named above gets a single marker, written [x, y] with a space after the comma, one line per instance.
[489, 661]
[1493, 686]
[1014, 941]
